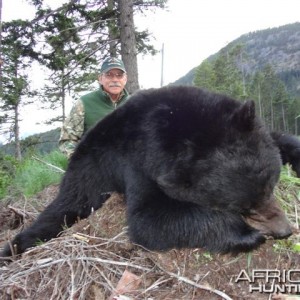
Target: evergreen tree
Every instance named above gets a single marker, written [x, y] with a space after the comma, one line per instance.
[17, 51]
[273, 100]
[256, 93]
[71, 66]
[78, 35]
[204, 76]
[71, 41]
[226, 74]
[228, 78]
[222, 75]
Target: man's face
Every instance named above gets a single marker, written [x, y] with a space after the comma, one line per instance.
[113, 82]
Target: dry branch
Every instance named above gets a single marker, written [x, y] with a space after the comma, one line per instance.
[49, 165]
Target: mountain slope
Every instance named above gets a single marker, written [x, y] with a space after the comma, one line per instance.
[278, 46]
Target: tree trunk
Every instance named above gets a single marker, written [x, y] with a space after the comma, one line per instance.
[18, 154]
[259, 102]
[283, 118]
[112, 32]
[128, 43]
[63, 96]
[296, 125]
[16, 124]
[272, 114]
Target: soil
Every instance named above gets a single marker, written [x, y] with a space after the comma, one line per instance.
[95, 260]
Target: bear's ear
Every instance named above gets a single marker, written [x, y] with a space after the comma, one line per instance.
[243, 118]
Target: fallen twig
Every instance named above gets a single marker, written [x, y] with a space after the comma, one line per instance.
[190, 282]
[49, 165]
[18, 212]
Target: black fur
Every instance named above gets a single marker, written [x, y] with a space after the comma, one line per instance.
[289, 146]
[192, 165]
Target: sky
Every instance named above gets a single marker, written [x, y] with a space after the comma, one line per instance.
[190, 31]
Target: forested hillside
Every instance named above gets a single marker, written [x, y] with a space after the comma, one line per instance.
[279, 47]
[41, 143]
[263, 66]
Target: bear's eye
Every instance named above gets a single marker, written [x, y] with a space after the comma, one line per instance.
[251, 212]
[187, 184]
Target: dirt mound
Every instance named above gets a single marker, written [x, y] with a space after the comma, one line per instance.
[95, 260]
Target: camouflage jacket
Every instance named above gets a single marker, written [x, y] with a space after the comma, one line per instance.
[76, 124]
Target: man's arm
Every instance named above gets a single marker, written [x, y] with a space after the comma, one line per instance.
[72, 129]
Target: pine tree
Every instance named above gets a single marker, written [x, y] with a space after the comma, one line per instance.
[78, 36]
[204, 76]
[17, 50]
[272, 98]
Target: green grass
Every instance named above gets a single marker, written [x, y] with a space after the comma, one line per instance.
[33, 175]
[8, 166]
[287, 193]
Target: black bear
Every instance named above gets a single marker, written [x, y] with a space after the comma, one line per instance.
[289, 147]
[197, 169]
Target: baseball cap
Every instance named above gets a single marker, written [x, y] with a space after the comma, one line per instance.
[112, 63]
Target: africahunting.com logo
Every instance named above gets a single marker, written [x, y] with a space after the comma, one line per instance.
[271, 281]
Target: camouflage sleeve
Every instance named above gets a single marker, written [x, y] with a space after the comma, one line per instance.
[72, 129]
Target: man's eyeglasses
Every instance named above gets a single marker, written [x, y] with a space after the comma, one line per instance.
[111, 75]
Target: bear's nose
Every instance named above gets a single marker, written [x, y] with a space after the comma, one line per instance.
[283, 233]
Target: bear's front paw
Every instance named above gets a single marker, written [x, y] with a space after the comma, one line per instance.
[247, 242]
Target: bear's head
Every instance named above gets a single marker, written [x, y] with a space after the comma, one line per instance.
[236, 172]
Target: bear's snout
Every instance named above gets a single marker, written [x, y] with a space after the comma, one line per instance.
[283, 233]
[271, 221]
